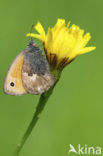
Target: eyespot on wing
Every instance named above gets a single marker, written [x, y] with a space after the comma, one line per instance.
[13, 81]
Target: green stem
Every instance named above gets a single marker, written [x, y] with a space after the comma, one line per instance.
[42, 101]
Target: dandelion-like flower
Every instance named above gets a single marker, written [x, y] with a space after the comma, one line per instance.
[62, 43]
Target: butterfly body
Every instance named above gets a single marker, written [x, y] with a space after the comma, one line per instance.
[29, 73]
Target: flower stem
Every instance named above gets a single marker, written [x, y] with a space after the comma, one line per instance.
[42, 101]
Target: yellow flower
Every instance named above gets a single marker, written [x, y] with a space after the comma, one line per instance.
[62, 43]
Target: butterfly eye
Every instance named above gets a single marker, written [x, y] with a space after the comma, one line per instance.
[12, 84]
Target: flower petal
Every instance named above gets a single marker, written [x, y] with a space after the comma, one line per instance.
[86, 37]
[49, 39]
[60, 22]
[86, 50]
[35, 36]
[40, 30]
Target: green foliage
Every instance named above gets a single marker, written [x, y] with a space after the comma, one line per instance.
[74, 113]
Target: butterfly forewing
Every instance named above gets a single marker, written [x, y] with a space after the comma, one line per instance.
[13, 81]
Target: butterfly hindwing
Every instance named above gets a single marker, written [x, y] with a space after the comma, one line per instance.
[36, 73]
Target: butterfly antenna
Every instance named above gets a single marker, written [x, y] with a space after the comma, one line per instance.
[31, 39]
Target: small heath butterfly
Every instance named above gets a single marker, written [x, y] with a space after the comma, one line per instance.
[29, 73]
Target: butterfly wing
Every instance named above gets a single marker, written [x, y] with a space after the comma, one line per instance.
[37, 84]
[13, 82]
[35, 74]
[29, 73]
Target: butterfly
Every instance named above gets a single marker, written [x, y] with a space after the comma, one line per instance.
[29, 73]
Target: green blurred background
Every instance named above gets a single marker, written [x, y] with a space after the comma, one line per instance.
[74, 113]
